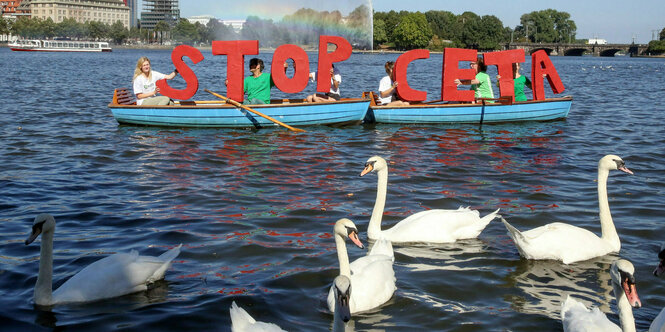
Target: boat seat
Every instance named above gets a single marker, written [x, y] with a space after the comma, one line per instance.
[123, 96]
[373, 98]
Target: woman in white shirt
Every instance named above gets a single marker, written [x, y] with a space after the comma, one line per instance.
[145, 88]
[388, 88]
[333, 95]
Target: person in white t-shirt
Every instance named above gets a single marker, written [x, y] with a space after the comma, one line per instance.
[145, 88]
[388, 88]
[333, 94]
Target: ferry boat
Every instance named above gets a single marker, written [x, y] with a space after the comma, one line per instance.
[37, 45]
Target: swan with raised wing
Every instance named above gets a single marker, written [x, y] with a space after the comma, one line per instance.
[115, 275]
[241, 321]
[576, 317]
[567, 243]
[431, 226]
[372, 276]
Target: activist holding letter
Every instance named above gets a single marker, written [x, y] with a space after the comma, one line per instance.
[482, 84]
[387, 88]
[520, 81]
[333, 94]
[144, 84]
[257, 86]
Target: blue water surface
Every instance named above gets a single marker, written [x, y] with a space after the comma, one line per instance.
[254, 210]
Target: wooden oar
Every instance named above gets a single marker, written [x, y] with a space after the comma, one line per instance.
[237, 104]
[433, 101]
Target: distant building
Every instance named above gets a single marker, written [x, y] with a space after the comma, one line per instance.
[104, 11]
[133, 12]
[597, 41]
[202, 19]
[236, 25]
[9, 7]
[159, 10]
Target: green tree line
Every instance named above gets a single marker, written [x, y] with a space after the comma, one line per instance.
[436, 29]
[657, 46]
[303, 27]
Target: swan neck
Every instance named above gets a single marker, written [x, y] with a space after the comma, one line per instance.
[342, 256]
[374, 228]
[43, 287]
[609, 232]
[625, 310]
[338, 322]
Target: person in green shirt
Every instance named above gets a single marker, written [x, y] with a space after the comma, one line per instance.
[257, 86]
[482, 84]
[520, 81]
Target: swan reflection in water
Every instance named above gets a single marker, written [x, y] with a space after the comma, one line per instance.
[463, 255]
[547, 283]
[441, 256]
[88, 312]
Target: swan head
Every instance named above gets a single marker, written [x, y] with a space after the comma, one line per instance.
[613, 162]
[374, 164]
[342, 291]
[622, 274]
[43, 223]
[661, 264]
[347, 230]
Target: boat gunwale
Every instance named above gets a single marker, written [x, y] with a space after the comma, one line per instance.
[417, 106]
[223, 105]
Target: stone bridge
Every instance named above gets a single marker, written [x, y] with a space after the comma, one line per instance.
[579, 49]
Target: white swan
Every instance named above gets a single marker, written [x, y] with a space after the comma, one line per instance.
[658, 323]
[372, 276]
[567, 243]
[433, 226]
[576, 317]
[241, 321]
[112, 276]
[342, 292]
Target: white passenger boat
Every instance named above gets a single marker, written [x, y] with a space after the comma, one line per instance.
[37, 45]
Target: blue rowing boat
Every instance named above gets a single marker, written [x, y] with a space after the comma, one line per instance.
[483, 111]
[293, 112]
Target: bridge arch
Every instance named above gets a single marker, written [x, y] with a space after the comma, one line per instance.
[546, 49]
[575, 52]
[609, 52]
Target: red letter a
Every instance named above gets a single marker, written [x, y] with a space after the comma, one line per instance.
[542, 65]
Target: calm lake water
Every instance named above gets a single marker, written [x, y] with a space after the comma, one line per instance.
[254, 210]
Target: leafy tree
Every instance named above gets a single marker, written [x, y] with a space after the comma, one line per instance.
[69, 28]
[662, 34]
[5, 26]
[118, 32]
[161, 28]
[471, 31]
[186, 32]
[48, 28]
[215, 30]
[443, 24]
[548, 26]
[392, 19]
[412, 32]
[490, 33]
[380, 35]
[97, 30]
[656, 47]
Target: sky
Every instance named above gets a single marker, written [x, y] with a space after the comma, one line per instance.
[616, 21]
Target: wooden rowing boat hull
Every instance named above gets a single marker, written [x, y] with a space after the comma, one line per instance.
[549, 109]
[224, 115]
